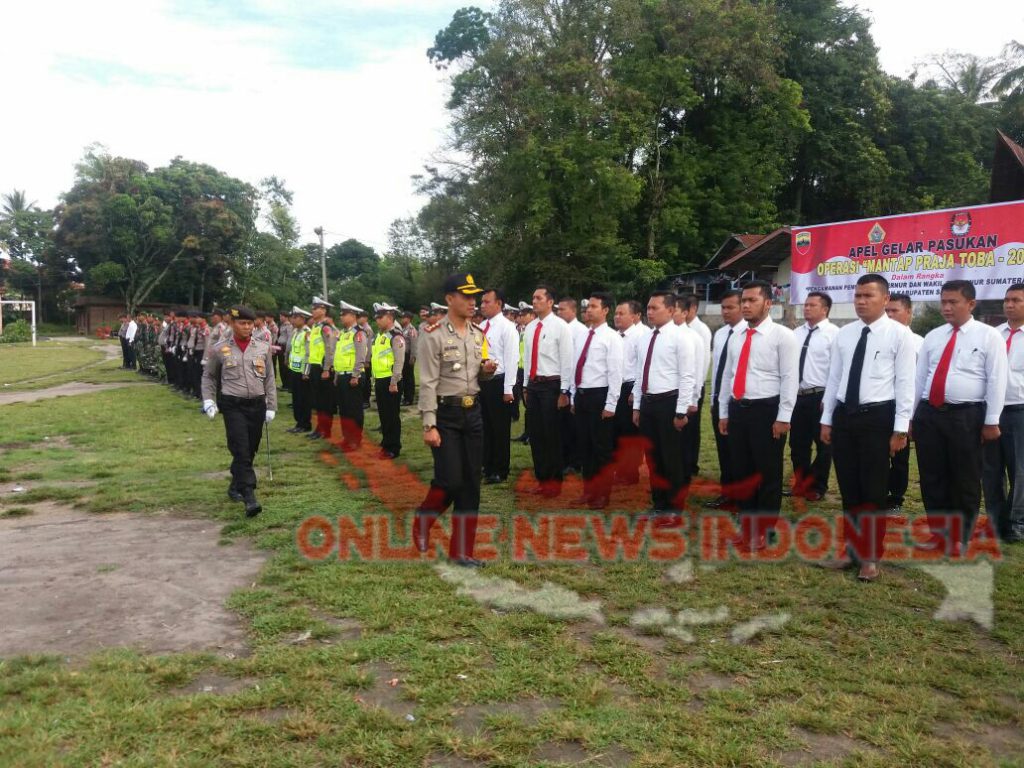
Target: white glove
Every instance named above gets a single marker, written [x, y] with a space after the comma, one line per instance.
[209, 408]
[270, 416]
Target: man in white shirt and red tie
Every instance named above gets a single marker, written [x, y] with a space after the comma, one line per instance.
[597, 381]
[629, 452]
[496, 397]
[1003, 460]
[815, 336]
[960, 388]
[732, 323]
[703, 336]
[900, 308]
[662, 395]
[865, 416]
[761, 374]
[548, 361]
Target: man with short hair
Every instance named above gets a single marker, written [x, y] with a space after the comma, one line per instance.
[567, 310]
[122, 336]
[960, 389]
[900, 309]
[408, 372]
[350, 355]
[322, 342]
[129, 337]
[496, 395]
[1003, 460]
[703, 337]
[815, 337]
[732, 323]
[298, 369]
[761, 377]
[387, 362]
[629, 451]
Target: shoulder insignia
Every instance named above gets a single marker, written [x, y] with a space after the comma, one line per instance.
[430, 328]
[360, 336]
[226, 349]
[397, 340]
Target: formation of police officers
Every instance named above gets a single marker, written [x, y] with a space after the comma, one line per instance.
[627, 386]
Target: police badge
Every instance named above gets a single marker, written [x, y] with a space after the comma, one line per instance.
[259, 365]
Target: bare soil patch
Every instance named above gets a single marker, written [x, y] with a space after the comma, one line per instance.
[471, 719]
[63, 390]
[821, 748]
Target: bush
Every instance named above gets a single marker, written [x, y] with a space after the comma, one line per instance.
[18, 331]
[928, 320]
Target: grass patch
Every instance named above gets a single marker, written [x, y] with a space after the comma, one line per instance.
[23, 362]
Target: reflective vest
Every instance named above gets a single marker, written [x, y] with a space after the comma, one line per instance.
[345, 353]
[316, 345]
[297, 350]
[383, 360]
[522, 348]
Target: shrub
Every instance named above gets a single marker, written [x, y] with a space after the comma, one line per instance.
[18, 331]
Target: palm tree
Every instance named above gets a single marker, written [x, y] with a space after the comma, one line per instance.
[1012, 81]
[16, 202]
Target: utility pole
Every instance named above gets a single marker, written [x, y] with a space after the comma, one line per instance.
[323, 262]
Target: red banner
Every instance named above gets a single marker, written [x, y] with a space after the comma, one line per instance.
[916, 252]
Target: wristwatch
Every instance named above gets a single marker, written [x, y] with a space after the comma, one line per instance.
[427, 429]
[899, 434]
[680, 415]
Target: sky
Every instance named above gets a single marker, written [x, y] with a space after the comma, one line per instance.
[335, 97]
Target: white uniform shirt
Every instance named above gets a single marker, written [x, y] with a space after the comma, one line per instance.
[130, 332]
[603, 366]
[672, 366]
[819, 352]
[977, 371]
[555, 350]
[703, 349]
[697, 347]
[718, 350]
[771, 368]
[503, 348]
[578, 330]
[1015, 368]
[631, 350]
[887, 373]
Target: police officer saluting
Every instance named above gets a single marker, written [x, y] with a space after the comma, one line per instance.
[240, 377]
[452, 359]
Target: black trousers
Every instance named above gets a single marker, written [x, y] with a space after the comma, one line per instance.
[389, 408]
[517, 394]
[195, 370]
[899, 477]
[408, 384]
[756, 459]
[544, 425]
[949, 456]
[125, 353]
[692, 436]
[805, 431]
[726, 472]
[366, 385]
[629, 450]
[664, 447]
[457, 464]
[595, 438]
[570, 450]
[283, 370]
[497, 418]
[243, 423]
[301, 405]
[860, 446]
[350, 409]
[168, 365]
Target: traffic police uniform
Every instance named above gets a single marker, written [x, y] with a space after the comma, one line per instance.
[386, 363]
[240, 378]
[350, 357]
[450, 367]
[297, 365]
[321, 357]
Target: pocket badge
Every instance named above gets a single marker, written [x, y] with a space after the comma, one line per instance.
[260, 366]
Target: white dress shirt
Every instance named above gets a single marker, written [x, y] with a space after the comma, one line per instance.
[130, 332]
[672, 366]
[503, 348]
[1015, 367]
[555, 351]
[916, 340]
[819, 352]
[887, 373]
[704, 334]
[977, 371]
[771, 368]
[603, 366]
[577, 329]
[631, 350]
[718, 349]
[697, 346]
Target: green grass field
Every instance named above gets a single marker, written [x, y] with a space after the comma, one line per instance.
[860, 675]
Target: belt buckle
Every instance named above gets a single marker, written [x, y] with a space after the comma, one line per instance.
[467, 401]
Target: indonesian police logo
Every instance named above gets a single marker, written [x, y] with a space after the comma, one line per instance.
[876, 235]
[803, 243]
[960, 223]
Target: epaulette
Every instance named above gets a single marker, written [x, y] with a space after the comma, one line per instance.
[430, 327]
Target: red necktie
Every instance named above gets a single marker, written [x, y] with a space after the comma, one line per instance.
[583, 358]
[937, 393]
[535, 350]
[739, 385]
[1009, 339]
[647, 363]
[487, 327]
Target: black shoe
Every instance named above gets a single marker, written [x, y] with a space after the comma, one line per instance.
[252, 505]
[295, 430]
[716, 502]
[314, 435]
[382, 454]
[234, 495]
[469, 562]
[493, 479]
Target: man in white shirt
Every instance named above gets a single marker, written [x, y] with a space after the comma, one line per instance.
[680, 317]
[960, 388]
[761, 377]
[567, 309]
[548, 362]
[692, 430]
[901, 309]
[629, 452]
[732, 323]
[597, 382]
[865, 416]
[496, 393]
[662, 395]
[815, 336]
[129, 337]
[1003, 459]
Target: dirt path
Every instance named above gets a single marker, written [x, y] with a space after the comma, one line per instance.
[62, 390]
[72, 582]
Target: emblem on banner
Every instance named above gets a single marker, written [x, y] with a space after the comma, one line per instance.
[876, 235]
[803, 243]
[960, 223]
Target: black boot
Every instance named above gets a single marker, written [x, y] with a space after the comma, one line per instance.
[252, 504]
[234, 494]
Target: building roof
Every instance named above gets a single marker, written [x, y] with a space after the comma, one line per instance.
[767, 253]
[733, 245]
[1007, 171]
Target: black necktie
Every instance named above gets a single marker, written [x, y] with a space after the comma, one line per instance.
[803, 354]
[721, 365]
[852, 401]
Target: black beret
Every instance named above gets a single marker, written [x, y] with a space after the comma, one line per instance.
[239, 312]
